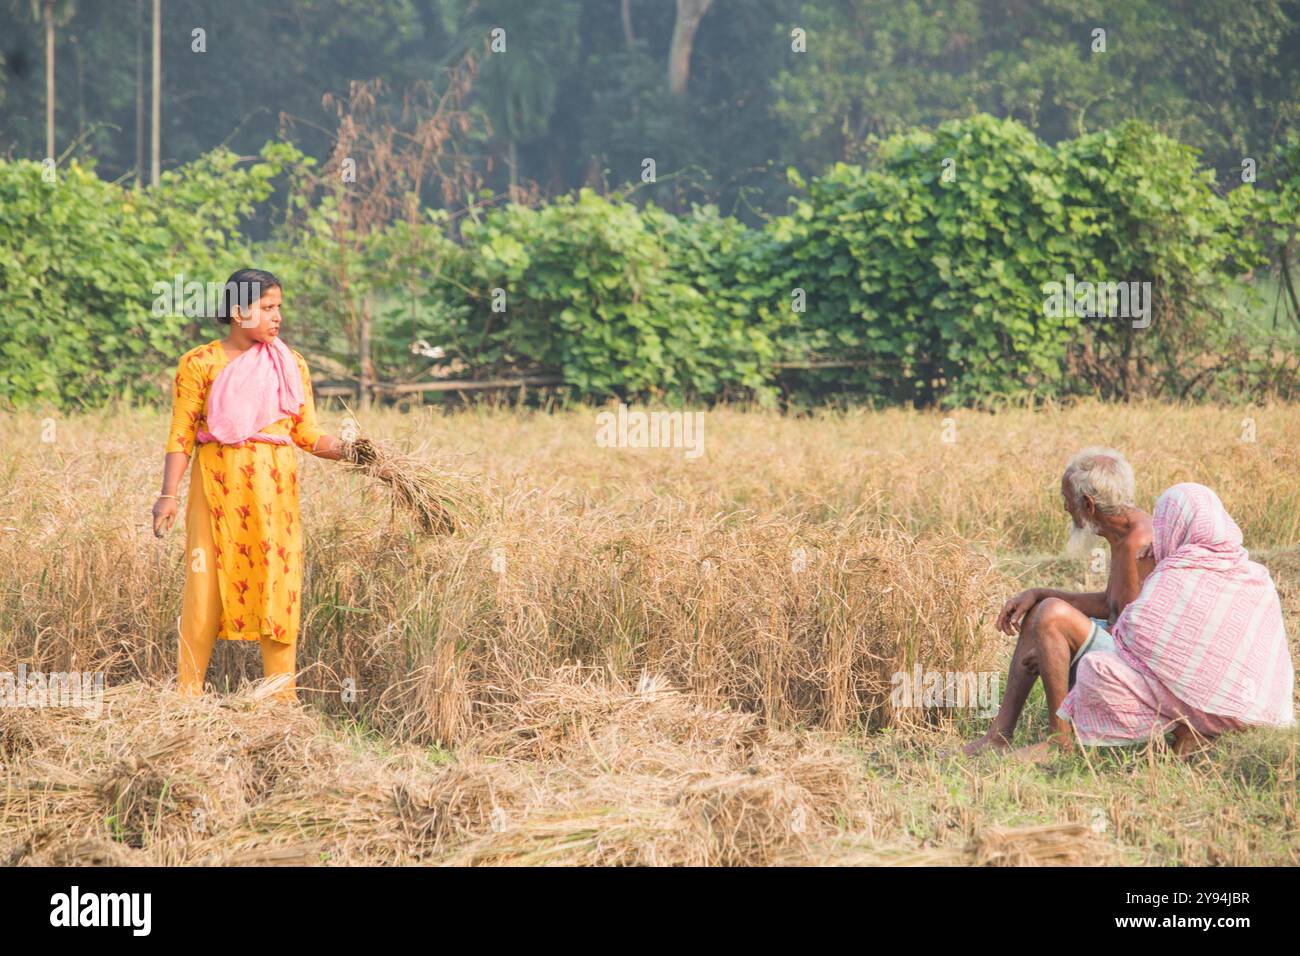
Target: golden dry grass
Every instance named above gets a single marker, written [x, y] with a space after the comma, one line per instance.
[799, 616]
[630, 658]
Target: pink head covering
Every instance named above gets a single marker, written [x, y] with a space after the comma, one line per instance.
[1208, 623]
[1191, 528]
[254, 390]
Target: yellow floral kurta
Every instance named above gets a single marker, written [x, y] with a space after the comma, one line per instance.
[252, 494]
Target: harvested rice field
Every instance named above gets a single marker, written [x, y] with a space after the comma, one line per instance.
[624, 655]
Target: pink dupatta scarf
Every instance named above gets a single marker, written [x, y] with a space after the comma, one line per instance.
[259, 387]
[1208, 624]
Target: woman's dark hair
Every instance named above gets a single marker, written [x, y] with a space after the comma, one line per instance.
[244, 288]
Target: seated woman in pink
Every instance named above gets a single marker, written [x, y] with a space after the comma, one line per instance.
[1202, 648]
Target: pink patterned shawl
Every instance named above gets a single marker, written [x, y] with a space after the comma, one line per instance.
[1208, 624]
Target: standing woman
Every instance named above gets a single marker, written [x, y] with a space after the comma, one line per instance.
[244, 400]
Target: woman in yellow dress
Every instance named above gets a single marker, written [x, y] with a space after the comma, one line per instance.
[244, 401]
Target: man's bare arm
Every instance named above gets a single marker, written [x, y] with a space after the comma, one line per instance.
[1129, 567]
[1091, 603]
[1016, 610]
[1130, 564]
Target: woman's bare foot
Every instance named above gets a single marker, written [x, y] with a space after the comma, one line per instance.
[1188, 742]
[990, 741]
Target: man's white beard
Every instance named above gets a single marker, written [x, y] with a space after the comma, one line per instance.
[1082, 541]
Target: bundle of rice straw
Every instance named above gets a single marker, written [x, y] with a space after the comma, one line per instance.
[439, 503]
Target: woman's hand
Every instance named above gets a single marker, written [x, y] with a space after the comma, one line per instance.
[330, 448]
[168, 504]
[164, 515]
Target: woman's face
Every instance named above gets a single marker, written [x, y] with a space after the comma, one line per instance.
[261, 323]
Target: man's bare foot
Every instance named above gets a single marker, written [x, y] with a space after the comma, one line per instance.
[990, 741]
[1045, 751]
[1042, 752]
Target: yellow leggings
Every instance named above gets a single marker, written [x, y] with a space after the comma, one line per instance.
[201, 608]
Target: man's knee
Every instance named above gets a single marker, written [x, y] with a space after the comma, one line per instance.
[1050, 611]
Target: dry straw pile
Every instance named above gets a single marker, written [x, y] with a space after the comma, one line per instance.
[582, 770]
[586, 772]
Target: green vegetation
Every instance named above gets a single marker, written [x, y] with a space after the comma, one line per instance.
[920, 277]
[79, 260]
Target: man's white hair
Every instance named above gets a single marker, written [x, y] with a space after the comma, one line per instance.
[1105, 476]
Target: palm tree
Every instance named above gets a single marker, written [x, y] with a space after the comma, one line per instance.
[155, 137]
[47, 14]
[51, 13]
[139, 93]
[517, 89]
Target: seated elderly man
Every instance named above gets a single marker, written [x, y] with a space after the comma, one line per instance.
[1057, 628]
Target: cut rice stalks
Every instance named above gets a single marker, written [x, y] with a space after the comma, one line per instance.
[440, 503]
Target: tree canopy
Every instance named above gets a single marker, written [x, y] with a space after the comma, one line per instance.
[583, 92]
